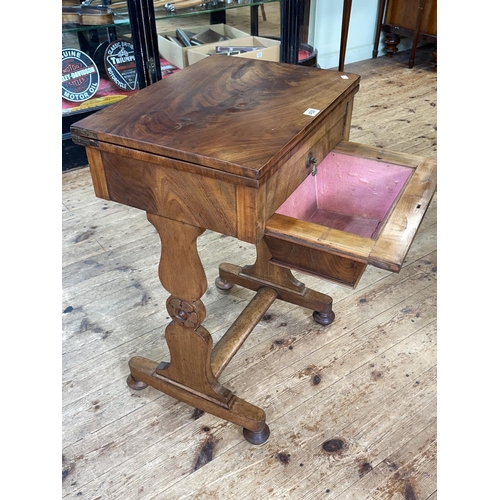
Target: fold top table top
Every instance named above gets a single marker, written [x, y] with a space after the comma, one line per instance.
[232, 114]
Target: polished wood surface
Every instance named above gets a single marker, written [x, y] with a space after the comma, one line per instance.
[245, 126]
[229, 114]
[351, 406]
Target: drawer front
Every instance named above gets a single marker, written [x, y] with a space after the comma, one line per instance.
[320, 238]
[293, 169]
[256, 206]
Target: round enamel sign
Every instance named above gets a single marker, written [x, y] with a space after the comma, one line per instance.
[80, 76]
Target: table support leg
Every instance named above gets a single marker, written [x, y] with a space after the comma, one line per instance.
[264, 273]
[188, 376]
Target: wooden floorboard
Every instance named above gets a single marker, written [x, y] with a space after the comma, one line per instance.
[364, 387]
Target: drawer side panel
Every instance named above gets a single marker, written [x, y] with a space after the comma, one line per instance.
[193, 199]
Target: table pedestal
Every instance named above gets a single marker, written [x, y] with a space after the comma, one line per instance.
[195, 364]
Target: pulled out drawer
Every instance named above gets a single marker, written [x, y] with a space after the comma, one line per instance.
[362, 207]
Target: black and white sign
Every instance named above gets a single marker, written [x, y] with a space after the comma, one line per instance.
[119, 62]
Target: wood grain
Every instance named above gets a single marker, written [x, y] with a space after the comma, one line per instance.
[224, 127]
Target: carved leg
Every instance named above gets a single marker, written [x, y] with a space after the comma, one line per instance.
[391, 42]
[189, 376]
[265, 273]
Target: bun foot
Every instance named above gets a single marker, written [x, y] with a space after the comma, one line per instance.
[133, 383]
[223, 284]
[259, 437]
[324, 318]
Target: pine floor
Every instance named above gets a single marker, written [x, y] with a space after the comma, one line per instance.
[351, 406]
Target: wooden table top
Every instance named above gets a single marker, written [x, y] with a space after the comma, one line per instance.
[232, 114]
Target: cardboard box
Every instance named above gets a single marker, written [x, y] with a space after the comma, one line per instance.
[270, 49]
[178, 55]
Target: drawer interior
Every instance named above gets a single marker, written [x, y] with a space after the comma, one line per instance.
[348, 193]
[363, 207]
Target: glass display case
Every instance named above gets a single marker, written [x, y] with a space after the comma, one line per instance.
[89, 28]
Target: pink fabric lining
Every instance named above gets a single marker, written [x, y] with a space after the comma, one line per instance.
[348, 193]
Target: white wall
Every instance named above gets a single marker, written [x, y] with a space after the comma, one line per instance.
[325, 26]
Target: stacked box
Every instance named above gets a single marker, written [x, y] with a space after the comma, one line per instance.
[270, 49]
[178, 55]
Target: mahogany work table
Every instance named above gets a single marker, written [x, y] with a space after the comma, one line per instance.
[258, 151]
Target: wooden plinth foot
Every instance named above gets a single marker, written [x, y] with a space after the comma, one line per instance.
[234, 409]
[133, 383]
[324, 318]
[391, 43]
[222, 284]
[259, 437]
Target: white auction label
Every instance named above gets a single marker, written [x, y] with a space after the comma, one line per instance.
[311, 112]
